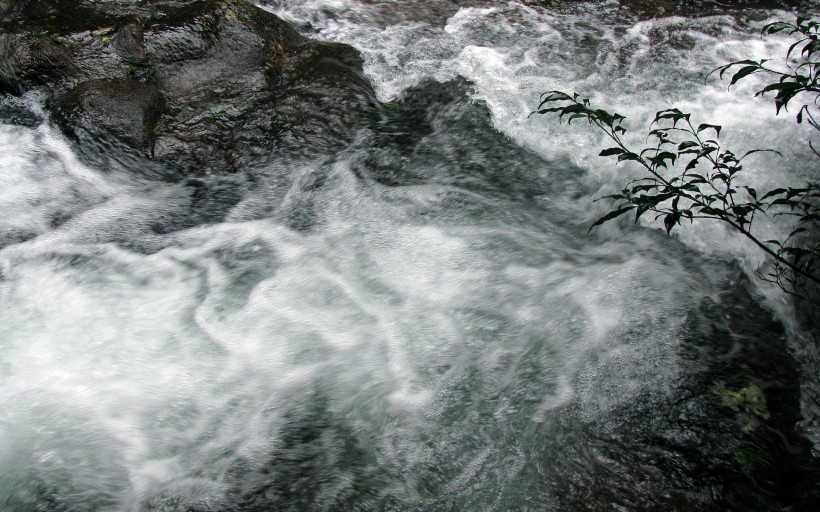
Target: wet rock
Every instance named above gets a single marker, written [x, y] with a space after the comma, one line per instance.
[8, 7]
[129, 43]
[129, 110]
[436, 133]
[237, 83]
[16, 111]
[30, 60]
[726, 440]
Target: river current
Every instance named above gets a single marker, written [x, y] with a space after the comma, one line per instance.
[420, 321]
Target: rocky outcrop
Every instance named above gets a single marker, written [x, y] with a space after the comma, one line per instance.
[200, 85]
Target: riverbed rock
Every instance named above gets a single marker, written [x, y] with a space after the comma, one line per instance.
[204, 86]
[127, 109]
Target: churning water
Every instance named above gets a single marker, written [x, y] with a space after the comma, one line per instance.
[419, 322]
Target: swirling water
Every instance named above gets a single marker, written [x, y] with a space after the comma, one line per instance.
[419, 322]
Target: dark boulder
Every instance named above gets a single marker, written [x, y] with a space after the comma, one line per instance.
[204, 86]
[30, 60]
[128, 110]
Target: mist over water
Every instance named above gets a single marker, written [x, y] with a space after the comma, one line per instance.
[419, 322]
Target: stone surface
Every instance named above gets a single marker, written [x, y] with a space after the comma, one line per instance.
[236, 83]
[129, 110]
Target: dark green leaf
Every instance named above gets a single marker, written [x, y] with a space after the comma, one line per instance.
[760, 151]
[670, 220]
[774, 192]
[744, 71]
[775, 27]
[612, 151]
[781, 86]
[705, 126]
[674, 114]
[554, 96]
[796, 192]
[629, 156]
[791, 48]
[611, 215]
[810, 48]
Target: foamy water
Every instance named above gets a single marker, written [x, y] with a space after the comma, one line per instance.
[356, 345]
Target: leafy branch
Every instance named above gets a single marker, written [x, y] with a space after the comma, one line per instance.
[800, 77]
[706, 188]
[689, 175]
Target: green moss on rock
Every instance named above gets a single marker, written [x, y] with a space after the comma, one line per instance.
[748, 404]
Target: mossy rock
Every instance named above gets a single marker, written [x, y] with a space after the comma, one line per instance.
[748, 404]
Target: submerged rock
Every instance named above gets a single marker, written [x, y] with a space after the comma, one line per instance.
[202, 85]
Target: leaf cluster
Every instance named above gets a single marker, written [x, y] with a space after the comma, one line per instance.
[802, 76]
[690, 175]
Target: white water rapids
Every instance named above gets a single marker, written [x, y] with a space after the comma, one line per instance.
[353, 345]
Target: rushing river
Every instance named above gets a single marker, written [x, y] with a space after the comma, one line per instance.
[420, 321]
